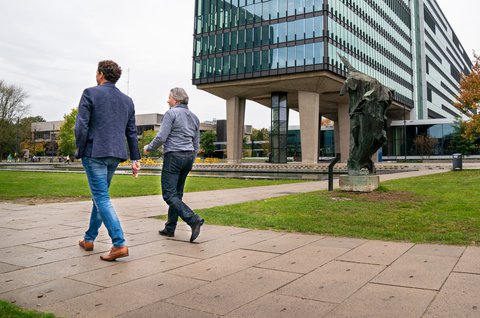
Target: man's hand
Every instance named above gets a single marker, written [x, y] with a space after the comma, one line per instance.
[135, 168]
[145, 151]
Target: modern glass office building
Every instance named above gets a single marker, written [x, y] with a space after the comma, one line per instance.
[284, 54]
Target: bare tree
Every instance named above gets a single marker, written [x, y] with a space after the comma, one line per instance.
[12, 109]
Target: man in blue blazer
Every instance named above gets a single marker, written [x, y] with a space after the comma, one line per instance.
[106, 117]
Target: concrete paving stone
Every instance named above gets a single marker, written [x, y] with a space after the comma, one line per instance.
[384, 301]
[304, 259]
[231, 292]
[469, 262]
[132, 270]
[284, 243]
[143, 238]
[166, 310]
[5, 268]
[38, 296]
[153, 248]
[340, 242]
[262, 235]
[419, 271]
[7, 233]
[51, 256]
[278, 306]
[136, 226]
[220, 266]
[377, 252]
[68, 241]
[458, 298]
[44, 273]
[333, 282]
[437, 250]
[120, 299]
[216, 247]
[11, 252]
[25, 237]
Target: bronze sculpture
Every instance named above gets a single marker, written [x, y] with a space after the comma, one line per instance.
[369, 101]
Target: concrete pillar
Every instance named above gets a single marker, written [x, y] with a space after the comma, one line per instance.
[235, 123]
[309, 109]
[342, 132]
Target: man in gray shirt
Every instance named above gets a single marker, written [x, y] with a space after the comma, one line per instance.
[180, 136]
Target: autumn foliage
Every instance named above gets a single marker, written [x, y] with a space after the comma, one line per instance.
[469, 99]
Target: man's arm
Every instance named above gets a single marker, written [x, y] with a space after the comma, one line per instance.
[82, 123]
[162, 135]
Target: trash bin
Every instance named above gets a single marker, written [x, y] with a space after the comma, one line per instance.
[457, 161]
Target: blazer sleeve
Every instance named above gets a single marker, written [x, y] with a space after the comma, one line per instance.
[82, 123]
[132, 137]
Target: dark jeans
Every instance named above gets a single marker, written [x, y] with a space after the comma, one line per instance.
[176, 166]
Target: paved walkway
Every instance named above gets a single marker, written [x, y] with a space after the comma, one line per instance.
[228, 272]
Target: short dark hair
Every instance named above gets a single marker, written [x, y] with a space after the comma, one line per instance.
[110, 70]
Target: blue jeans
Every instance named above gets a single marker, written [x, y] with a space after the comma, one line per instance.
[99, 174]
[176, 166]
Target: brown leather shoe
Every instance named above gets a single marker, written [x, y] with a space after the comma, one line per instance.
[115, 252]
[87, 246]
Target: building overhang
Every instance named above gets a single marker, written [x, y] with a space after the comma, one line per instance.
[325, 83]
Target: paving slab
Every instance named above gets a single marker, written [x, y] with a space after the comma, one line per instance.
[420, 271]
[458, 298]
[333, 282]
[231, 292]
[377, 252]
[220, 266]
[469, 262]
[339, 242]
[384, 301]
[166, 310]
[120, 299]
[437, 250]
[280, 306]
[284, 243]
[38, 296]
[44, 273]
[304, 259]
[132, 270]
[5, 268]
[11, 252]
[51, 256]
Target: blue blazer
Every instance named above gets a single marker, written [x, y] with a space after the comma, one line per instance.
[106, 117]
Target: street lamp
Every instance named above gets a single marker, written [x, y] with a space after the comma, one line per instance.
[52, 136]
[404, 134]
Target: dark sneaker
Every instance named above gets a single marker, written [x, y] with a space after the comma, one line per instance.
[165, 233]
[196, 229]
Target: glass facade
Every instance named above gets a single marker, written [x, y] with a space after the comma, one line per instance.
[407, 45]
[279, 130]
[237, 39]
[440, 133]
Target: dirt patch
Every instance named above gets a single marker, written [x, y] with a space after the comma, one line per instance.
[38, 201]
[375, 196]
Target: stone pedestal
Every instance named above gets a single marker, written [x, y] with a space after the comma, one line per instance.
[367, 183]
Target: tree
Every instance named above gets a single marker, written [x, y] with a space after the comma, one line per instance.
[145, 139]
[469, 99]
[469, 96]
[25, 134]
[425, 145]
[67, 144]
[12, 109]
[459, 143]
[207, 142]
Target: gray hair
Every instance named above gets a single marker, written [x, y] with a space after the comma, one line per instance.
[179, 94]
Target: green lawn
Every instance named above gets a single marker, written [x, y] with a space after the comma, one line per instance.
[8, 310]
[441, 208]
[47, 185]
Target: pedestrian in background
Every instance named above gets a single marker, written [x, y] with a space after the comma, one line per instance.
[106, 117]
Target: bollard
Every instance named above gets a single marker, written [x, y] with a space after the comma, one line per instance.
[330, 171]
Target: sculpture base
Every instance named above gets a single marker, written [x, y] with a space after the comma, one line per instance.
[367, 183]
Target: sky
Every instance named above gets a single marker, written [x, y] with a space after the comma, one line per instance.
[51, 48]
